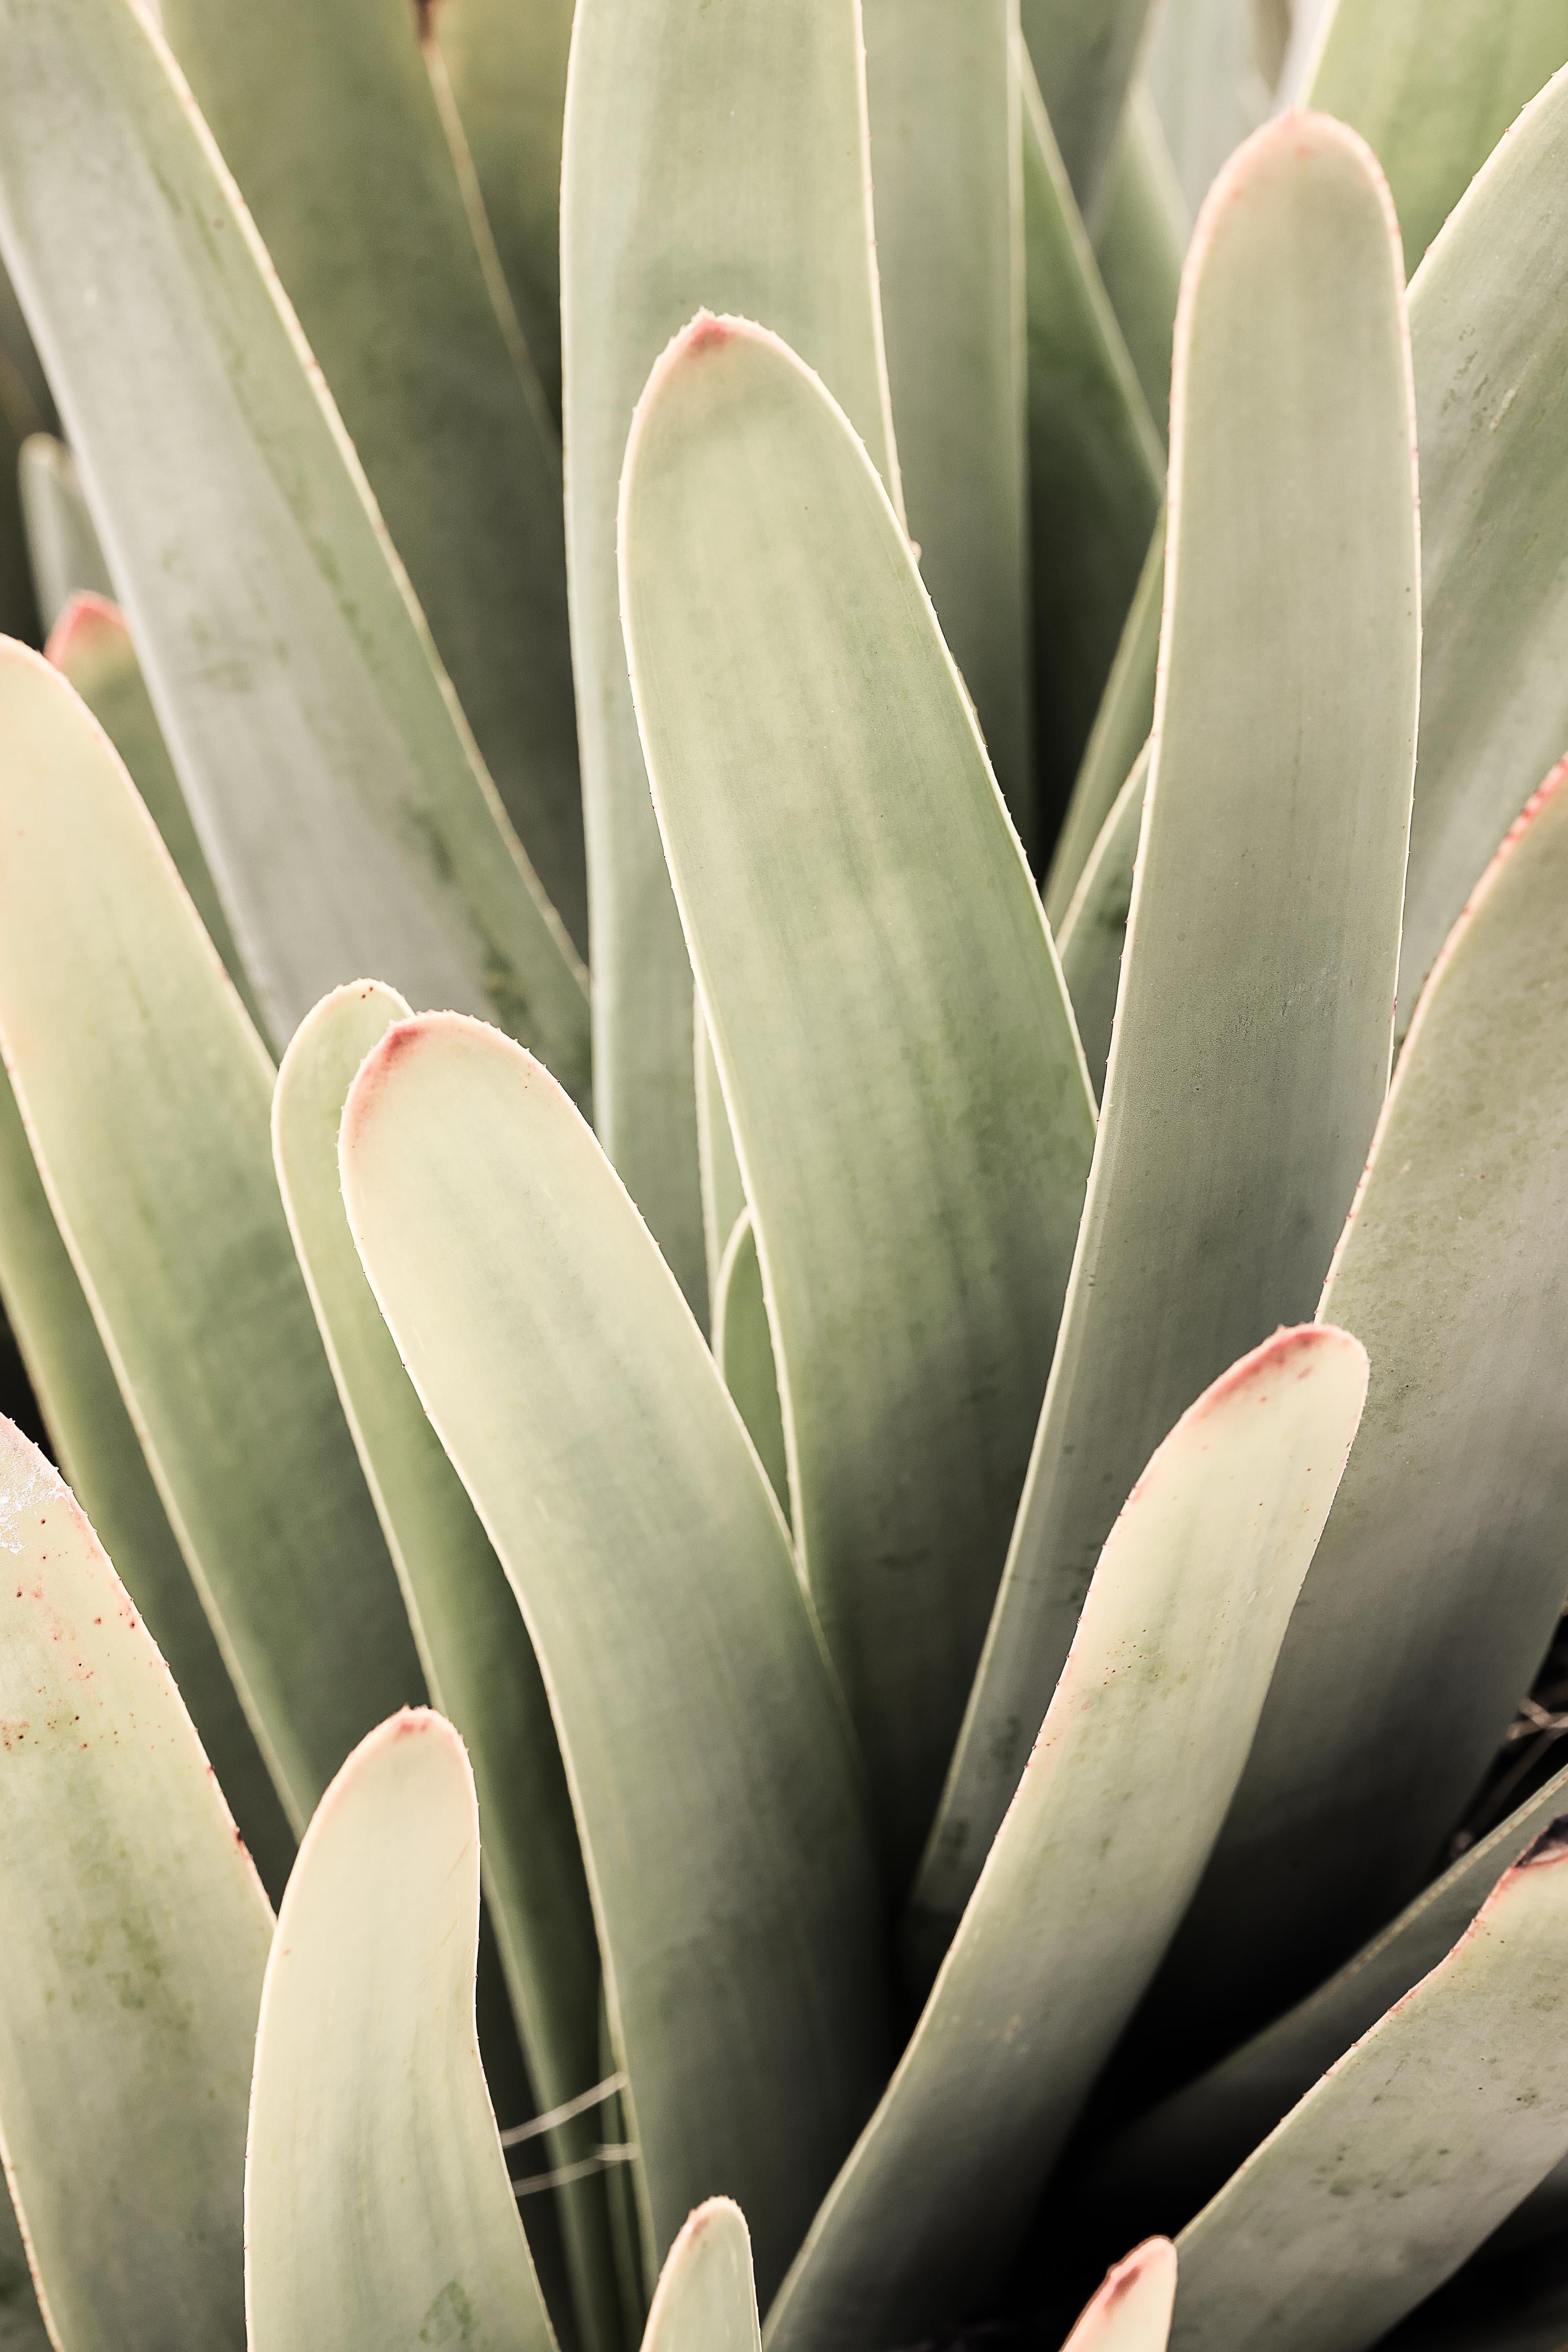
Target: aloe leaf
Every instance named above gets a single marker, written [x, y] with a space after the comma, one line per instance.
[705, 2300]
[883, 998]
[944, 135]
[91, 646]
[62, 544]
[146, 1094]
[1121, 730]
[1096, 466]
[1440, 1577]
[1489, 326]
[1166, 1675]
[132, 1911]
[1096, 926]
[743, 1346]
[1202, 74]
[1251, 1045]
[479, 1663]
[1173, 2159]
[1131, 2311]
[506, 67]
[22, 2327]
[348, 823]
[1433, 91]
[327, 119]
[718, 156]
[723, 1186]
[1409, 2151]
[715, 1784]
[377, 2206]
[96, 1445]
[1084, 52]
[1140, 238]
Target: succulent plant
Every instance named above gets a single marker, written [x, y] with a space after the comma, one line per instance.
[798, 1647]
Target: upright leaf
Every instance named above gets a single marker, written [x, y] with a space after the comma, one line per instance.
[743, 1347]
[1488, 318]
[905, 1084]
[944, 94]
[709, 1762]
[1408, 2152]
[377, 2206]
[1432, 90]
[479, 1660]
[723, 1187]
[1092, 1867]
[705, 2300]
[1252, 1037]
[338, 795]
[718, 156]
[62, 544]
[1095, 927]
[1139, 241]
[1084, 52]
[1203, 77]
[1121, 730]
[146, 1093]
[1433, 1598]
[136, 1934]
[327, 117]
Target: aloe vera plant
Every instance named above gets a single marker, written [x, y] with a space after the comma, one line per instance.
[809, 1490]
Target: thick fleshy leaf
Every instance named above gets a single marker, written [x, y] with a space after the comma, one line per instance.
[61, 541]
[705, 2300]
[1489, 320]
[136, 1932]
[479, 1663]
[1140, 238]
[1170, 2162]
[346, 817]
[1084, 52]
[723, 1187]
[377, 2206]
[91, 644]
[93, 1440]
[1095, 925]
[718, 156]
[1440, 1578]
[1253, 1024]
[1398, 2163]
[710, 1765]
[22, 2327]
[1093, 1866]
[904, 1083]
[1202, 73]
[944, 150]
[1096, 466]
[1131, 2311]
[743, 1346]
[146, 1093]
[329, 122]
[1432, 90]
[1122, 726]
[505, 69]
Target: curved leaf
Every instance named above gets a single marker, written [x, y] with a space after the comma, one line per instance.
[131, 1911]
[62, 544]
[1252, 1037]
[1139, 241]
[1132, 2312]
[1092, 1867]
[1202, 73]
[743, 1347]
[705, 2301]
[1122, 725]
[714, 1785]
[1095, 925]
[723, 1187]
[377, 2206]
[1084, 52]
[905, 1088]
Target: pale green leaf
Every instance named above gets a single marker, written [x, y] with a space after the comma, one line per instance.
[1140, 238]
[146, 1095]
[1407, 2153]
[1489, 317]
[479, 1663]
[348, 822]
[329, 122]
[1131, 2311]
[1252, 1047]
[1203, 77]
[1096, 466]
[944, 150]
[1095, 924]
[62, 544]
[1432, 90]
[1121, 730]
[717, 156]
[136, 1932]
[1084, 52]
[905, 1087]
[1433, 1595]
[739, 1917]
[377, 2208]
[1093, 1866]
[705, 2300]
[743, 1346]
[723, 1187]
